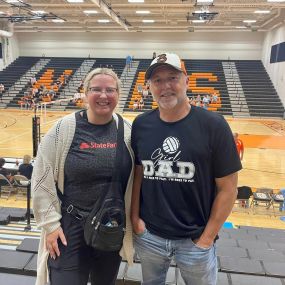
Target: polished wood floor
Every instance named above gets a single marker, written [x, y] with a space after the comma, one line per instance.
[263, 163]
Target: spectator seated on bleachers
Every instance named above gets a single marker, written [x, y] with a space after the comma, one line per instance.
[136, 104]
[5, 171]
[141, 103]
[145, 91]
[26, 168]
[2, 89]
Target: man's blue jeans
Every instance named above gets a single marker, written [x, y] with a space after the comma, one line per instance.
[198, 266]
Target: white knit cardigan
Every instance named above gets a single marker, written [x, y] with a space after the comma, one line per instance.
[49, 171]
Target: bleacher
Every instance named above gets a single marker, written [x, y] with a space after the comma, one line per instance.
[246, 255]
[260, 94]
[117, 64]
[259, 97]
[202, 84]
[56, 67]
[133, 94]
[10, 74]
[208, 77]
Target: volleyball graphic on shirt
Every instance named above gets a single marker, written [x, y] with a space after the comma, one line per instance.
[170, 145]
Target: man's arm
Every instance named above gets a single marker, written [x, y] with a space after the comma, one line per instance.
[222, 206]
[137, 222]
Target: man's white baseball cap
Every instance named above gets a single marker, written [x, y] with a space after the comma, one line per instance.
[170, 59]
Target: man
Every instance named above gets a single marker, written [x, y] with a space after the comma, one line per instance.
[185, 179]
[239, 145]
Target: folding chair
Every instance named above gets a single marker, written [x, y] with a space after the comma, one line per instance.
[282, 192]
[6, 187]
[277, 203]
[22, 183]
[262, 201]
[242, 202]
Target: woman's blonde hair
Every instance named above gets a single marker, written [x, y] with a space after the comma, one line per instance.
[27, 159]
[101, 70]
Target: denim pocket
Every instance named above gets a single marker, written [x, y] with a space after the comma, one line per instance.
[199, 247]
[142, 233]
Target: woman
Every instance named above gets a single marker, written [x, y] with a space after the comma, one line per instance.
[26, 167]
[73, 164]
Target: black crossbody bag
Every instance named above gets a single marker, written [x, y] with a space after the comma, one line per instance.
[104, 228]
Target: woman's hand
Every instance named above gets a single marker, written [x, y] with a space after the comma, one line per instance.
[51, 242]
[138, 225]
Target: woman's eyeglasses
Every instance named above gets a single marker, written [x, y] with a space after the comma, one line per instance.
[109, 91]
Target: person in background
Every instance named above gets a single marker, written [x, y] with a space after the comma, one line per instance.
[26, 168]
[239, 145]
[2, 89]
[74, 168]
[185, 181]
[5, 171]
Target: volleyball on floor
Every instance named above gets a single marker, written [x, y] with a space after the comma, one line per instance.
[170, 145]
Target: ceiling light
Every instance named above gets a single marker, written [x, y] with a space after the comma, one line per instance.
[201, 11]
[249, 21]
[39, 12]
[262, 12]
[58, 20]
[148, 21]
[198, 21]
[90, 12]
[136, 1]
[276, 1]
[103, 21]
[205, 1]
[12, 1]
[75, 1]
[142, 12]
[241, 27]
[1, 12]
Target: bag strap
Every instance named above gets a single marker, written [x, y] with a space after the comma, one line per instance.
[119, 150]
[116, 177]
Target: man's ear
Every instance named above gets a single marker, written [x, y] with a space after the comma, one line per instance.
[187, 79]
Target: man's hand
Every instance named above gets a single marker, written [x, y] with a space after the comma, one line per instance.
[203, 243]
[138, 225]
[51, 242]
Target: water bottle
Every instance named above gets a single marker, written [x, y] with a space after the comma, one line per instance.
[112, 223]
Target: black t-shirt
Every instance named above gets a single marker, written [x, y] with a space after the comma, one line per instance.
[4, 172]
[181, 161]
[90, 161]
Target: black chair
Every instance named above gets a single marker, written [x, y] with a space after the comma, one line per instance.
[242, 202]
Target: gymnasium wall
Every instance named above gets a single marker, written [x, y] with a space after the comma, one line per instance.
[196, 45]
[276, 70]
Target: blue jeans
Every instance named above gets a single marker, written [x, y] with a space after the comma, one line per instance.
[198, 266]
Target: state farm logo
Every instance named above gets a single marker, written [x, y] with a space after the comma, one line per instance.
[92, 145]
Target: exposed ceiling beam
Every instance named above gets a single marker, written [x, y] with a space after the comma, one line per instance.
[110, 12]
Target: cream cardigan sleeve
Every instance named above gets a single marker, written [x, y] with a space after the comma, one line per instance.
[48, 171]
[46, 204]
